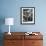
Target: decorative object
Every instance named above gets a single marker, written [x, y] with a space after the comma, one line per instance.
[9, 21]
[30, 33]
[27, 15]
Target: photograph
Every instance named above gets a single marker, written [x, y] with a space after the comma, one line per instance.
[27, 15]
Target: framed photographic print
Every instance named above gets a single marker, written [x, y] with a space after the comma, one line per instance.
[27, 15]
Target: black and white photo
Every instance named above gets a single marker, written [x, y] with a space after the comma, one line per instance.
[27, 15]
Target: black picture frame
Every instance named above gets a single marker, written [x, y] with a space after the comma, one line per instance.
[27, 15]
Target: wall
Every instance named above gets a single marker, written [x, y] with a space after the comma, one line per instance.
[11, 8]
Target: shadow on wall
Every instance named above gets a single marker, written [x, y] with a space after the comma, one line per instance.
[2, 21]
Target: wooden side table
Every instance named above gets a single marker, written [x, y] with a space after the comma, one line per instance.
[20, 39]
